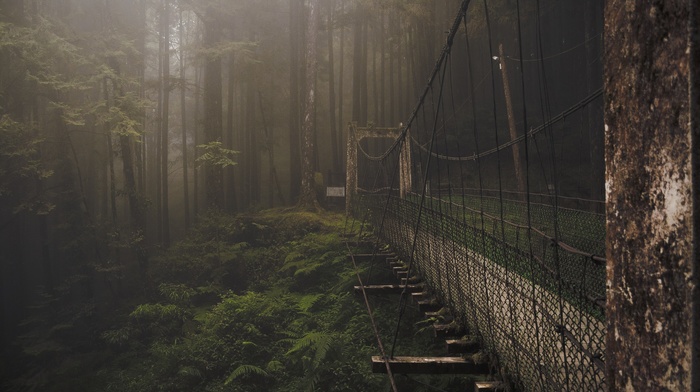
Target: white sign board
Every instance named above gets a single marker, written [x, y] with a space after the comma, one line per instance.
[335, 191]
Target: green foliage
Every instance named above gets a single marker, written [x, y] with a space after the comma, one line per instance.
[20, 164]
[199, 331]
[214, 153]
[245, 371]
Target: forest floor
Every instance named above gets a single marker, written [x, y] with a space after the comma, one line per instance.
[255, 302]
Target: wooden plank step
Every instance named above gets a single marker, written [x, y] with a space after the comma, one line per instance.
[389, 288]
[417, 296]
[363, 257]
[461, 346]
[428, 305]
[412, 279]
[360, 244]
[429, 365]
[488, 386]
[445, 330]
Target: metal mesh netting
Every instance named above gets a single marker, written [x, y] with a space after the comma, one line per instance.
[512, 243]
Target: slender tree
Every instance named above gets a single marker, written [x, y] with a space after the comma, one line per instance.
[294, 105]
[213, 112]
[307, 197]
[335, 151]
[165, 123]
[183, 114]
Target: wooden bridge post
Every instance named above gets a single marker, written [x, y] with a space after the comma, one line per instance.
[405, 163]
[351, 168]
[651, 158]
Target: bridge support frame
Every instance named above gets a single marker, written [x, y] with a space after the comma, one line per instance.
[355, 136]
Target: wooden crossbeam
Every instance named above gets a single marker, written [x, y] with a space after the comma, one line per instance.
[461, 346]
[412, 279]
[444, 330]
[360, 244]
[428, 305]
[390, 288]
[429, 365]
[488, 386]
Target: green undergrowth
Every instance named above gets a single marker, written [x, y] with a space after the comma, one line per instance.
[259, 302]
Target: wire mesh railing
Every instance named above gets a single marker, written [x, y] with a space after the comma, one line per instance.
[512, 242]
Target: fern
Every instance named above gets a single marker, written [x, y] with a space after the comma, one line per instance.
[308, 301]
[245, 371]
[317, 344]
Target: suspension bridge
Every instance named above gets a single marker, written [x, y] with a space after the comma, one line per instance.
[489, 200]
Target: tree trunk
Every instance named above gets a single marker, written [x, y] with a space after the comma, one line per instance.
[165, 123]
[294, 120]
[213, 111]
[341, 76]
[652, 65]
[356, 68]
[231, 197]
[183, 113]
[252, 148]
[195, 155]
[382, 74]
[307, 197]
[335, 152]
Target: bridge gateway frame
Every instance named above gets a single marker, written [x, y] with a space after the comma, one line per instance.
[355, 136]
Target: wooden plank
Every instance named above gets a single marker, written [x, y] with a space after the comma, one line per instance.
[418, 296]
[429, 365]
[461, 346]
[390, 289]
[363, 257]
[412, 279]
[428, 305]
[360, 244]
[488, 386]
[444, 330]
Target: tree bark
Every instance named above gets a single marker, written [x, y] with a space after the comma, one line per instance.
[307, 197]
[651, 156]
[213, 111]
[335, 151]
[183, 113]
[294, 112]
[165, 123]
[231, 196]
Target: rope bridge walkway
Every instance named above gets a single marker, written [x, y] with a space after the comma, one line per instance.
[500, 221]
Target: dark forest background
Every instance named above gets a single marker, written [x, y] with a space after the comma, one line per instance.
[123, 122]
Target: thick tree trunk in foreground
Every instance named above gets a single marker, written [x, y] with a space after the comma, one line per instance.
[307, 198]
[651, 149]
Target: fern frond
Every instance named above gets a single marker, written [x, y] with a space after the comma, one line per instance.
[308, 301]
[245, 371]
